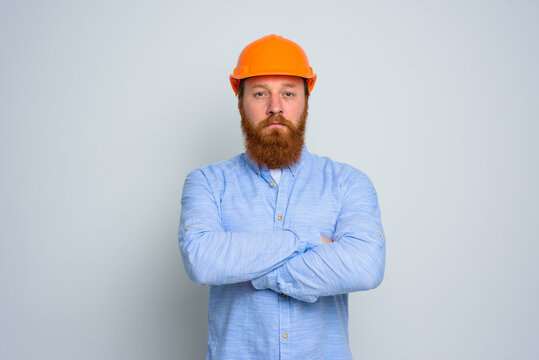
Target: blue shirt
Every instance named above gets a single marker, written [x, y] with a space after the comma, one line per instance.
[277, 292]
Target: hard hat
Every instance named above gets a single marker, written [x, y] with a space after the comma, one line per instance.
[272, 55]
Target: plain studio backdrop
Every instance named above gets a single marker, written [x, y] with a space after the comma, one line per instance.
[106, 106]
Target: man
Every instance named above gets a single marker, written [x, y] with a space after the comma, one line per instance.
[281, 235]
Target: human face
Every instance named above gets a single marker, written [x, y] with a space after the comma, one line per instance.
[272, 95]
[274, 140]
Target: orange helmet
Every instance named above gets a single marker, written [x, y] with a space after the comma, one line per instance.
[272, 55]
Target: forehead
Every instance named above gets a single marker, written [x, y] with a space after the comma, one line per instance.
[274, 81]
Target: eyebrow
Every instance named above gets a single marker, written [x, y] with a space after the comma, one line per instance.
[265, 86]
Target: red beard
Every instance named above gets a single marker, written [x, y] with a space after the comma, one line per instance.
[274, 147]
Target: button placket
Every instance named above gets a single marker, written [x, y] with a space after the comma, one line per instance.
[284, 330]
[282, 201]
[283, 195]
[265, 174]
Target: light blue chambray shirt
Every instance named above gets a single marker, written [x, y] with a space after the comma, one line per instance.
[276, 291]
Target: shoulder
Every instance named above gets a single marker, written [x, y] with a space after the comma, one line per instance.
[215, 173]
[209, 180]
[346, 178]
[339, 170]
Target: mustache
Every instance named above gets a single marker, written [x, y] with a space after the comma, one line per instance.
[275, 119]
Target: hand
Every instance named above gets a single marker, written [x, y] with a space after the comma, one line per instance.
[326, 240]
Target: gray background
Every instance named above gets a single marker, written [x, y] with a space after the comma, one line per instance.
[106, 106]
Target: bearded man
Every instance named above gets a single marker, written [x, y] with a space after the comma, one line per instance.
[280, 235]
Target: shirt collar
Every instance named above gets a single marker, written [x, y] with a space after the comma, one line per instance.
[294, 169]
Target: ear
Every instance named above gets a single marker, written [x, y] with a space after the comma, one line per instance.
[235, 83]
[311, 82]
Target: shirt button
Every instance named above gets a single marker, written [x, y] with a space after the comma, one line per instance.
[285, 336]
[283, 296]
[257, 172]
[380, 235]
[294, 170]
[279, 217]
[186, 228]
[272, 183]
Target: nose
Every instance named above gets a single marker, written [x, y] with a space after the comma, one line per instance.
[274, 106]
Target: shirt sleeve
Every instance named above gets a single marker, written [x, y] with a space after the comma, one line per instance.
[354, 261]
[213, 256]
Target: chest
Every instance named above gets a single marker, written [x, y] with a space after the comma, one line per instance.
[300, 204]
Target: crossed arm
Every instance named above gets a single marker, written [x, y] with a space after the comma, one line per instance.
[302, 265]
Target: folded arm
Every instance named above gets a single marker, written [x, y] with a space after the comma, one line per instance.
[354, 261]
[213, 256]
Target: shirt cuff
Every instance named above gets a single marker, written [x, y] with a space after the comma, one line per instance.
[265, 282]
[279, 280]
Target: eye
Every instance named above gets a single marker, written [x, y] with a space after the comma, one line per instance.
[288, 94]
[258, 94]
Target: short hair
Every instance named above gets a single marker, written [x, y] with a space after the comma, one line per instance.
[241, 85]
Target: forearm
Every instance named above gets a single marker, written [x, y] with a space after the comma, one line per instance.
[341, 267]
[218, 257]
